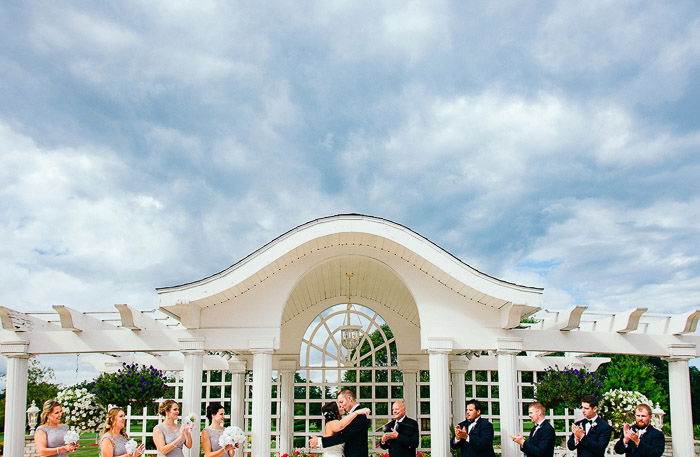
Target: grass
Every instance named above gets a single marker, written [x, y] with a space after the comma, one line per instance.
[88, 447]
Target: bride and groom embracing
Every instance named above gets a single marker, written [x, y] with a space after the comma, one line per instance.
[346, 436]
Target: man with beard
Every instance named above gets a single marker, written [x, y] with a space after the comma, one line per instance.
[474, 436]
[641, 439]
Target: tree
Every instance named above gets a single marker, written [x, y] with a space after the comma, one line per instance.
[647, 375]
[40, 383]
[381, 356]
[40, 387]
[695, 393]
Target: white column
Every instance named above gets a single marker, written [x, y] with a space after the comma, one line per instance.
[193, 350]
[508, 348]
[287, 368]
[409, 369]
[438, 361]
[458, 367]
[237, 369]
[679, 390]
[262, 385]
[15, 396]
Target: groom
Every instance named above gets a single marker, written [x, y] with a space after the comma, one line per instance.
[354, 435]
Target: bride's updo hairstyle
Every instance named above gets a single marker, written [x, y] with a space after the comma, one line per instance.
[330, 411]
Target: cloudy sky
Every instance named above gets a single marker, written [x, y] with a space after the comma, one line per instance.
[146, 144]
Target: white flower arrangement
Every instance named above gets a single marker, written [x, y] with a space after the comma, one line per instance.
[131, 446]
[80, 409]
[71, 437]
[232, 435]
[617, 406]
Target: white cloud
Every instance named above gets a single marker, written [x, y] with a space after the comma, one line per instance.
[415, 28]
[190, 133]
[499, 147]
[646, 55]
[616, 257]
[74, 227]
[72, 29]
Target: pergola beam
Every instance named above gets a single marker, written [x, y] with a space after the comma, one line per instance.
[77, 321]
[136, 320]
[512, 314]
[624, 322]
[570, 319]
[116, 339]
[16, 321]
[682, 324]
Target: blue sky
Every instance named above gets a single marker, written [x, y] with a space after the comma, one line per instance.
[148, 144]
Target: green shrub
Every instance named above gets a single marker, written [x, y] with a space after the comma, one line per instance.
[135, 385]
[565, 388]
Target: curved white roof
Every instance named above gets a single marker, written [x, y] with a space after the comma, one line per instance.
[351, 230]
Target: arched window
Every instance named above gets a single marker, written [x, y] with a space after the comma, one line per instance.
[326, 367]
[321, 345]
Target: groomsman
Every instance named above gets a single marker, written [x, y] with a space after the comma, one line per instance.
[641, 439]
[474, 436]
[591, 435]
[401, 433]
[540, 443]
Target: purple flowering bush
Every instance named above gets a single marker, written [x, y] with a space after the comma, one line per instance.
[133, 384]
[564, 388]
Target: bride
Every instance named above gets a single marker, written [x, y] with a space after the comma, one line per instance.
[334, 424]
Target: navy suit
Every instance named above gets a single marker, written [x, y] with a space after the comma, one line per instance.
[406, 443]
[651, 444]
[354, 436]
[594, 443]
[541, 442]
[480, 442]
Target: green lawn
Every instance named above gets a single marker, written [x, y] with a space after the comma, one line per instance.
[88, 448]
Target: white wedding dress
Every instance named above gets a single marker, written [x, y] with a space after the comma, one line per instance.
[334, 451]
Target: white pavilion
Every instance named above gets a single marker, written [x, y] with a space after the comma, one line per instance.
[357, 301]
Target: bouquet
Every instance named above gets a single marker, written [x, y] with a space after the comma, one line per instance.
[131, 446]
[232, 435]
[188, 420]
[71, 437]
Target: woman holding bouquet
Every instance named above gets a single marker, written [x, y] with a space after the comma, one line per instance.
[168, 435]
[115, 441]
[210, 435]
[49, 437]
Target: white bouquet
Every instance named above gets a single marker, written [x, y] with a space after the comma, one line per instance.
[71, 437]
[232, 435]
[131, 446]
[188, 420]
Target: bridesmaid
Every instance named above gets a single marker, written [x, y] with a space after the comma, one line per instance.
[168, 435]
[48, 436]
[210, 435]
[114, 437]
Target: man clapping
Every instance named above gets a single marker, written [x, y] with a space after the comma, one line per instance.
[641, 439]
[401, 433]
